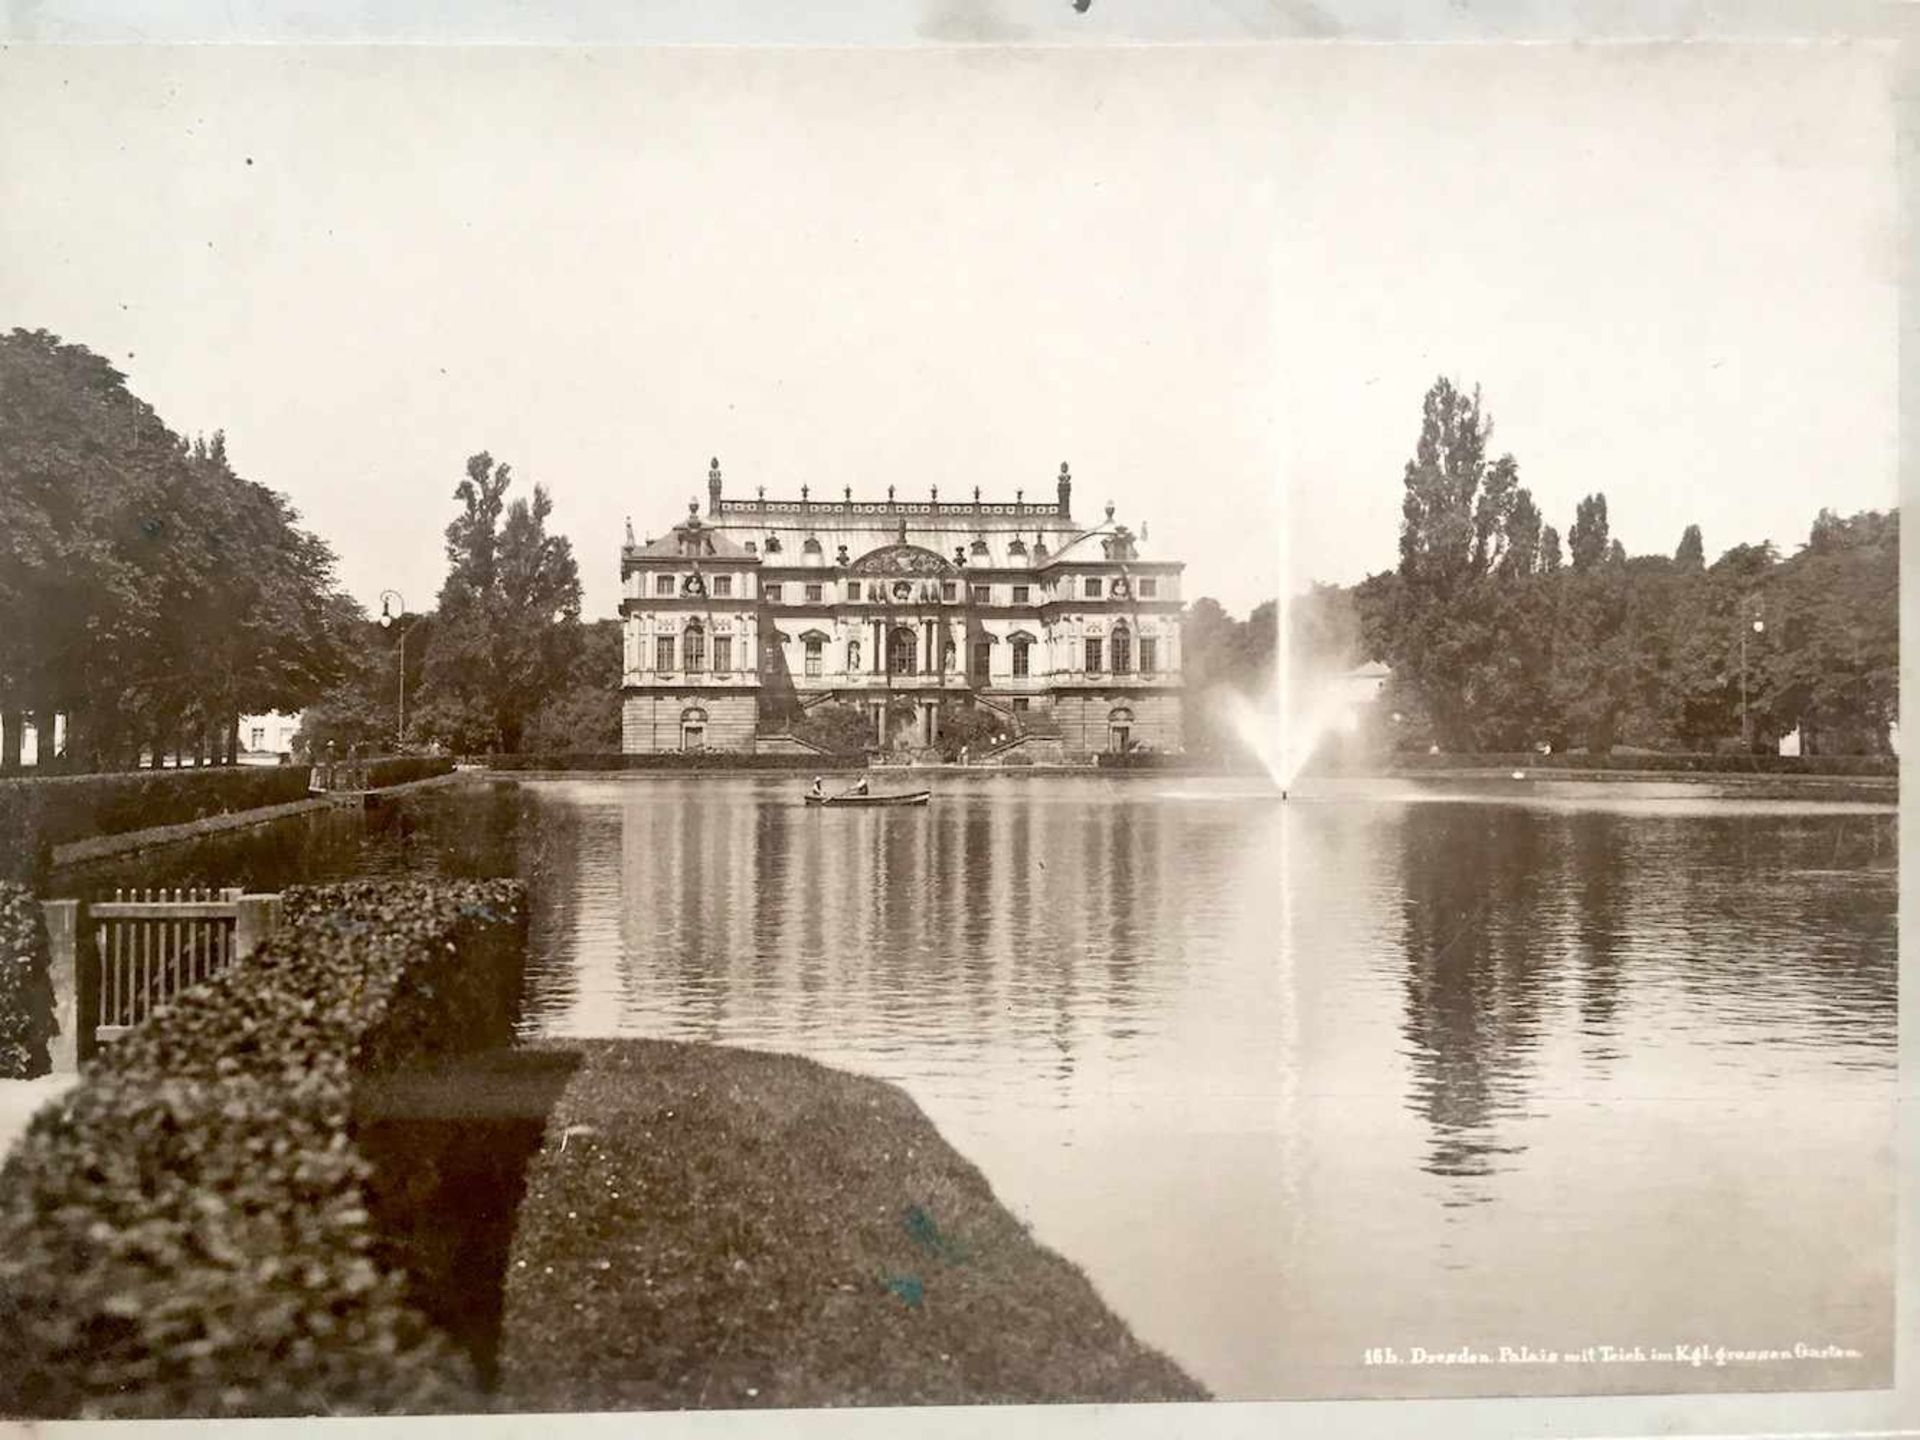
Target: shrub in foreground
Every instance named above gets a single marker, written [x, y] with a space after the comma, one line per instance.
[188, 1232]
[26, 995]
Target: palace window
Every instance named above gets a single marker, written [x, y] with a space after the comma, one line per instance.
[663, 584]
[853, 589]
[1093, 655]
[722, 586]
[812, 593]
[901, 649]
[693, 649]
[722, 654]
[983, 594]
[1148, 654]
[947, 590]
[1020, 652]
[1121, 647]
[813, 659]
[1020, 593]
[259, 737]
[771, 592]
[1149, 589]
[663, 652]
[1093, 587]
[982, 658]
[1021, 704]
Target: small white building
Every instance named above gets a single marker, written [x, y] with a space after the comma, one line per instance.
[265, 738]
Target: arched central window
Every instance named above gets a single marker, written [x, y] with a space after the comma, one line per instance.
[1121, 648]
[693, 649]
[902, 649]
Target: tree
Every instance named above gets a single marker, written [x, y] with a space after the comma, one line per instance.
[1469, 542]
[1829, 660]
[147, 591]
[1690, 556]
[1587, 539]
[584, 718]
[509, 616]
[361, 710]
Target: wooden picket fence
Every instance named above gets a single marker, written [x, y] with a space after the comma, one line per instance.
[115, 962]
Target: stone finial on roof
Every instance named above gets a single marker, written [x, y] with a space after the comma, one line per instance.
[1143, 529]
[630, 532]
[1109, 509]
[848, 495]
[804, 491]
[713, 486]
[693, 509]
[889, 494]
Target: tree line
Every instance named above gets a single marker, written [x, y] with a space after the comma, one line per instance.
[1502, 637]
[148, 593]
[150, 596]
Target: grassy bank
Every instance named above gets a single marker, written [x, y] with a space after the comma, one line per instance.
[707, 1227]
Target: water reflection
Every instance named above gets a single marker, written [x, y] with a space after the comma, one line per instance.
[1288, 1080]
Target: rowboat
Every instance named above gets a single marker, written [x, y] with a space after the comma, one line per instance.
[910, 797]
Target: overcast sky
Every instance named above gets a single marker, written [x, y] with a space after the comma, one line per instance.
[1217, 281]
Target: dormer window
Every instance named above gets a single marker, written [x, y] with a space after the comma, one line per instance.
[773, 544]
[753, 547]
[811, 548]
[979, 545]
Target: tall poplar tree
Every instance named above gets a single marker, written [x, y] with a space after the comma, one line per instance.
[508, 621]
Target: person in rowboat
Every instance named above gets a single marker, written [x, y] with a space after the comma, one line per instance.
[819, 791]
[859, 786]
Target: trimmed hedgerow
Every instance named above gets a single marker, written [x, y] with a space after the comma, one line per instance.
[1666, 762]
[40, 813]
[188, 1232]
[676, 760]
[26, 992]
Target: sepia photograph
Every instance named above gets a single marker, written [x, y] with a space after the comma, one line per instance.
[1078, 710]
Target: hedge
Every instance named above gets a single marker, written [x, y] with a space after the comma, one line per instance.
[675, 760]
[39, 813]
[189, 1231]
[26, 994]
[1661, 761]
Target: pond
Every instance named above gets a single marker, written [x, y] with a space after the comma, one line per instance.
[1386, 1067]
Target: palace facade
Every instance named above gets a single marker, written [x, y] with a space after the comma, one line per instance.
[741, 620]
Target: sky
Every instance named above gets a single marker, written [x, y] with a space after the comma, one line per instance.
[1216, 280]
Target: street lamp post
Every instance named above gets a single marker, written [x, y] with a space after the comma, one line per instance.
[388, 619]
[1759, 627]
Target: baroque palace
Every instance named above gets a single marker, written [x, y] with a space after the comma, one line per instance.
[739, 621]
